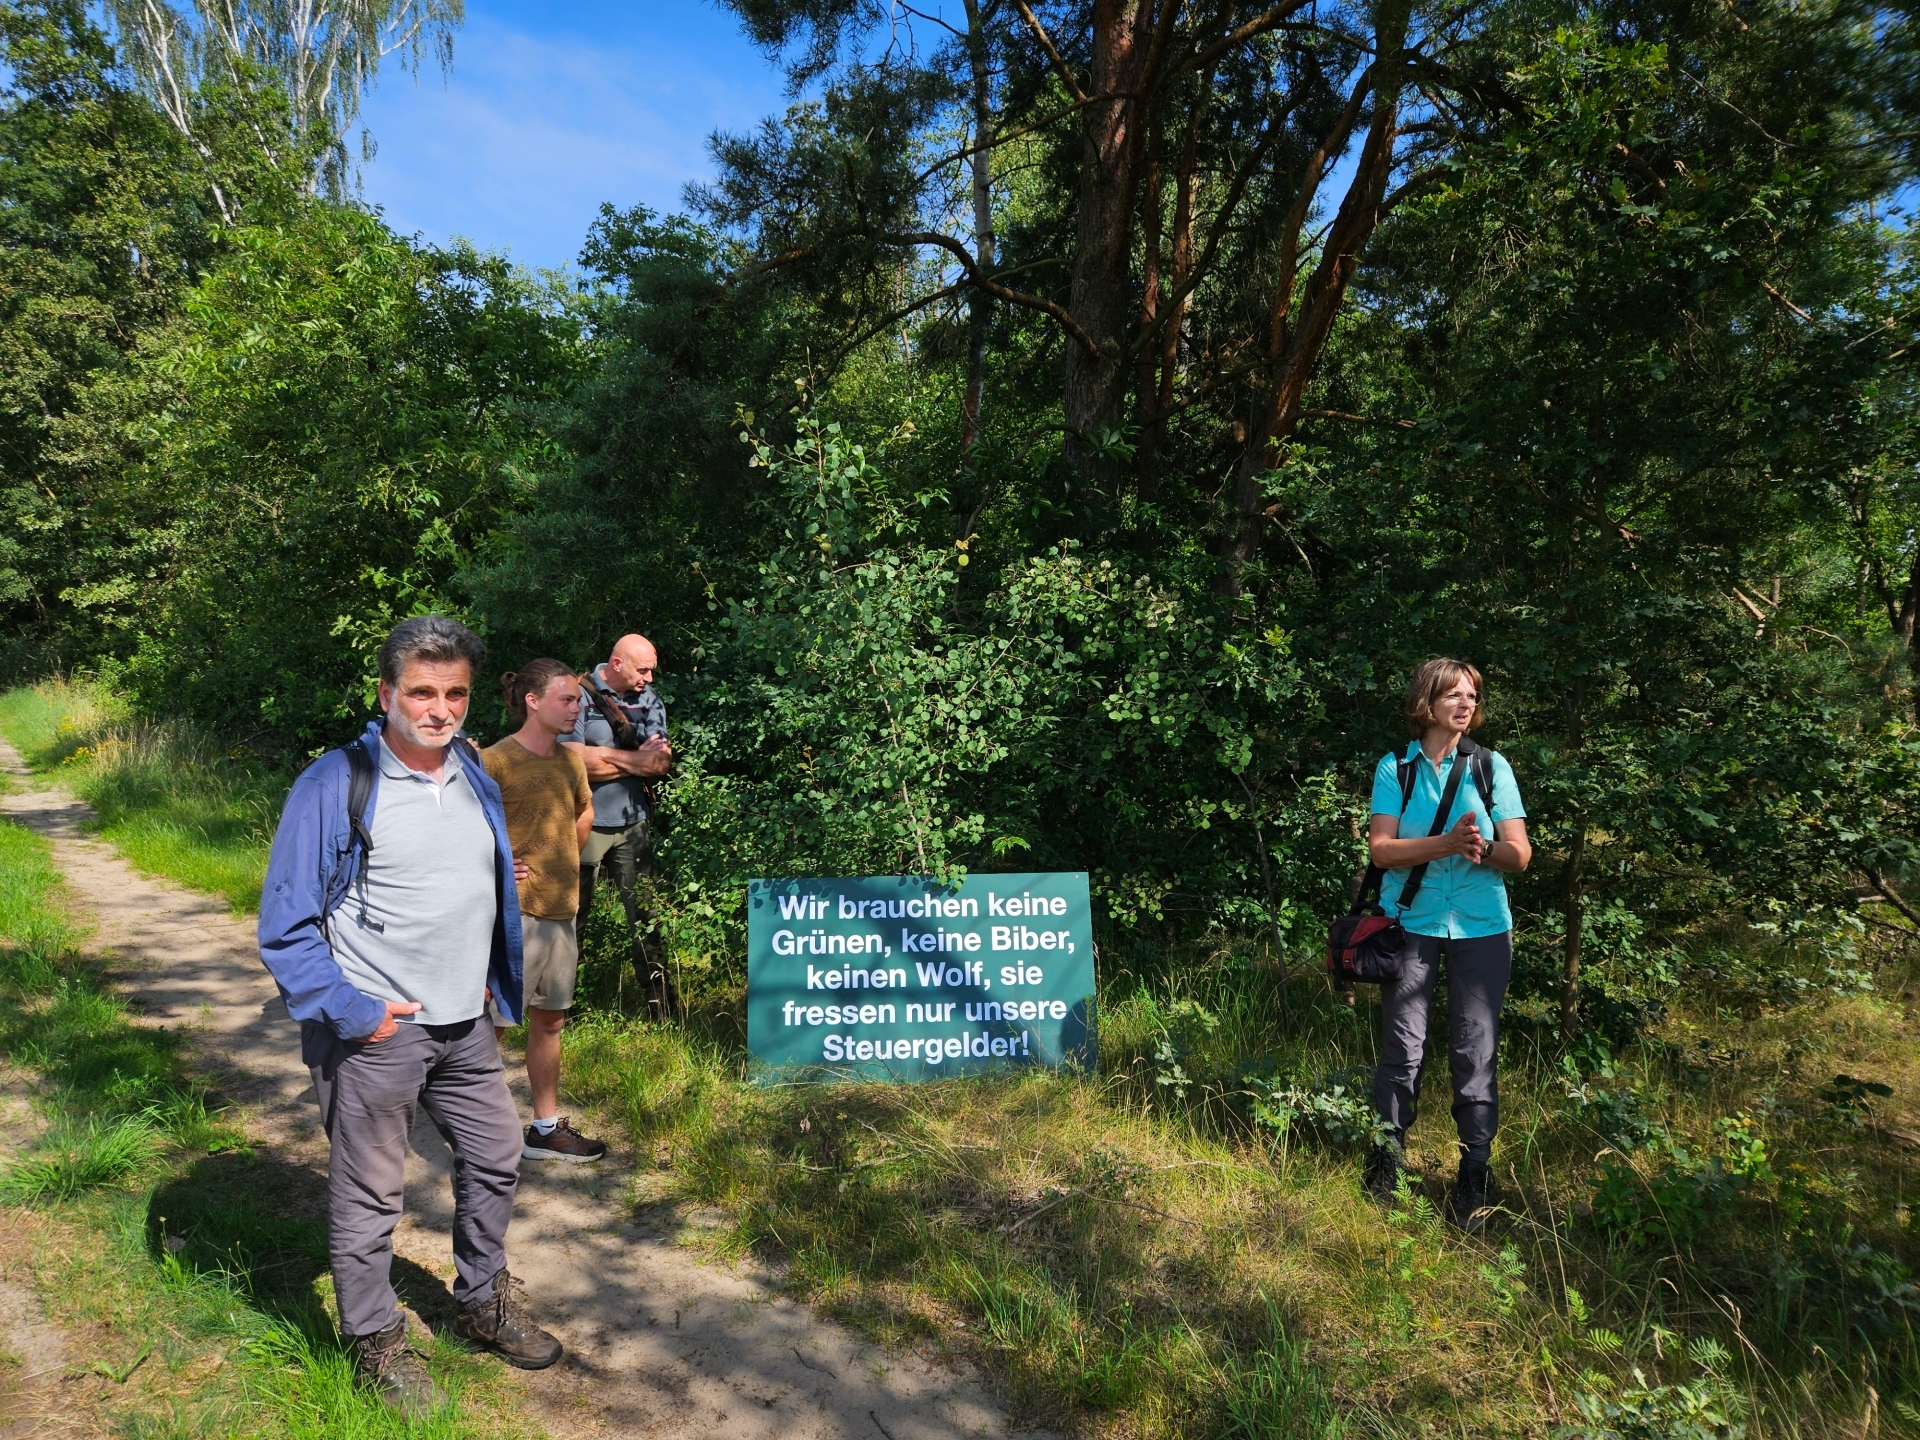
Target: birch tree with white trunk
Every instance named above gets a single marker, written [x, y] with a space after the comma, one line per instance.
[320, 55]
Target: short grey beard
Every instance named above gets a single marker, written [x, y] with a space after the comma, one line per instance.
[413, 736]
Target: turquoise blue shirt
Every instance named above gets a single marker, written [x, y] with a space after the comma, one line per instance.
[1458, 900]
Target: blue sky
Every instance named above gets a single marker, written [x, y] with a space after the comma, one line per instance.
[554, 106]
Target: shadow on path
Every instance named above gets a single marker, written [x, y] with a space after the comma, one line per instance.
[660, 1343]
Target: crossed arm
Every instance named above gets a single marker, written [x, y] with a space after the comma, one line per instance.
[606, 762]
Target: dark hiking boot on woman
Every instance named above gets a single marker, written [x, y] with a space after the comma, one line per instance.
[1468, 1206]
[563, 1142]
[499, 1323]
[393, 1371]
[1382, 1178]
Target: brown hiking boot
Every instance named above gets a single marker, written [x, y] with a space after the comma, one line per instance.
[499, 1324]
[393, 1371]
[565, 1143]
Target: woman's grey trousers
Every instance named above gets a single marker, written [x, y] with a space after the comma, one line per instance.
[1477, 975]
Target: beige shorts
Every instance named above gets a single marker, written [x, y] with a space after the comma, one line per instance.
[549, 963]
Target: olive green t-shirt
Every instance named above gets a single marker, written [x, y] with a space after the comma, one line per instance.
[543, 794]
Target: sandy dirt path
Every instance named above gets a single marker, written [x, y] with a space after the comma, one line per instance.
[659, 1342]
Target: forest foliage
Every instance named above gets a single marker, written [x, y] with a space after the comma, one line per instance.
[1050, 443]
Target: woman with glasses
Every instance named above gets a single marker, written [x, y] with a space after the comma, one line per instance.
[1454, 909]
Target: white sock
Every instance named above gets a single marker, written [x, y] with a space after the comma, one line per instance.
[546, 1126]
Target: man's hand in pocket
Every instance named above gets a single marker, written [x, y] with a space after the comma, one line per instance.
[387, 1026]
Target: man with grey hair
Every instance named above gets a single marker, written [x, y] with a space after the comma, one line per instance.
[388, 914]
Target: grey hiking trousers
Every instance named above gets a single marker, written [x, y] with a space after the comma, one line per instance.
[1477, 975]
[368, 1093]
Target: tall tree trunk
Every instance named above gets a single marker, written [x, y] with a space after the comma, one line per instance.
[1094, 388]
[1152, 198]
[1573, 910]
[1160, 363]
[1904, 625]
[1294, 350]
[979, 304]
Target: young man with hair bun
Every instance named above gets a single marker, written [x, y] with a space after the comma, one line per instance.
[549, 809]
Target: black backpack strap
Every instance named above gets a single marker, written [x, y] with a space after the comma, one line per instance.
[1480, 759]
[1408, 771]
[359, 792]
[1418, 875]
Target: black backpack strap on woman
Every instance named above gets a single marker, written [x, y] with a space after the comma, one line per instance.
[1480, 761]
[1366, 944]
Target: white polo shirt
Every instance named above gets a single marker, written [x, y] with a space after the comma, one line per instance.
[430, 896]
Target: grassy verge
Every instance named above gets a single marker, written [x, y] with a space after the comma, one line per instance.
[1704, 1228]
[171, 802]
[1706, 1224]
[189, 1271]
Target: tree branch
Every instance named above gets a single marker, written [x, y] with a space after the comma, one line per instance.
[994, 288]
[1005, 136]
[761, 267]
[1641, 168]
[1421, 180]
[1888, 894]
[1259, 25]
[1783, 300]
[1593, 515]
[1358, 419]
[887, 321]
[1222, 218]
[1053, 55]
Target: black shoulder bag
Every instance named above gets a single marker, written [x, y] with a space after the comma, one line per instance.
[1367, 945]
[625, 736]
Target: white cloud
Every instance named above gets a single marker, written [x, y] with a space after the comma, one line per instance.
[539, 123]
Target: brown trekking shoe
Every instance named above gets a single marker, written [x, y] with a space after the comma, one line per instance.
[499, 1324]
[393, 1371]
[565, 1143]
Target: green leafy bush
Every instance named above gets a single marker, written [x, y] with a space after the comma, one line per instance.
[1702, 1409]
[1683, 1191]
[1337, 1107]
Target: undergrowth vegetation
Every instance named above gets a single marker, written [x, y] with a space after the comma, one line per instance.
[174, 803]
[1704, 1229]
[196, 1267]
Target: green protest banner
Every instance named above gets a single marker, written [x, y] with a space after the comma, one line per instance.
[893, 977]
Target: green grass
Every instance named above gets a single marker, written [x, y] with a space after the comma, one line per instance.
[1121, 1256]
[147, 1224]
[1706, 1224]
[172, 803]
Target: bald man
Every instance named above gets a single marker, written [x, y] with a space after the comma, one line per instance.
[622, 835]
